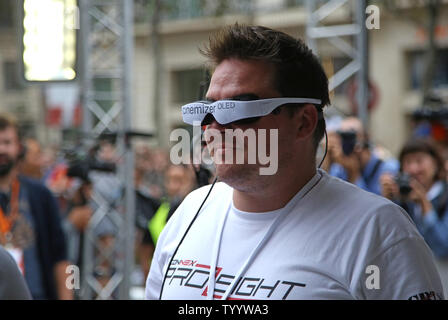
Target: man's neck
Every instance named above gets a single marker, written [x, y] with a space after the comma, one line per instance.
[6, 180]
[274, 195]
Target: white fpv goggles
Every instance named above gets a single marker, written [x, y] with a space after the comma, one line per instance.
[227, 111]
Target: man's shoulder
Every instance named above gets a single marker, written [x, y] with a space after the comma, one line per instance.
[353, 202]
[337, 189]
[145, 199]
[361, 222]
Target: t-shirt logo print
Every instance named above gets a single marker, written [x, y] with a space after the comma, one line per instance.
[189, 273]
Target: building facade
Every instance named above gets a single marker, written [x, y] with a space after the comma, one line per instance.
[175, 71]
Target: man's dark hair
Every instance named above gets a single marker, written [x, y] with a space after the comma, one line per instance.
[8, 121]
[298, 72]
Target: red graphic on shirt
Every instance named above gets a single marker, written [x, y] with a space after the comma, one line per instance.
[189, 273]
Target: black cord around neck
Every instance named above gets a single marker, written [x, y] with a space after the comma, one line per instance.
[183, 237]
[326, 149]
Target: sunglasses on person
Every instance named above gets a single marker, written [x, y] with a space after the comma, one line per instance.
[236, 111]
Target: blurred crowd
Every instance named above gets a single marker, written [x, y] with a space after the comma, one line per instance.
[89, 191]
[416, 180]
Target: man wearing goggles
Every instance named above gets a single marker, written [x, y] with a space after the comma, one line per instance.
[297, 234]
[236, 111]
[241, 112]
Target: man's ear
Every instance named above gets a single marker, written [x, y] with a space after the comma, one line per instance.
[306, 119]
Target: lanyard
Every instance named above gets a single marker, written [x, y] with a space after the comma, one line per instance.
[6, 223]
[215, 253]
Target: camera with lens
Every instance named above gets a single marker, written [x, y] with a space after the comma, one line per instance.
[79, 165]
[349, 140]
[403, 182]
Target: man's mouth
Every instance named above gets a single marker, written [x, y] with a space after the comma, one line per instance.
[6, 164]
[4, 159]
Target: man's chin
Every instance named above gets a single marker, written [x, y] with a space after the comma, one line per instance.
[236, 175]
[6, 168]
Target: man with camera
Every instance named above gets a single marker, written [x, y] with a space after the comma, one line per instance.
[352, 159]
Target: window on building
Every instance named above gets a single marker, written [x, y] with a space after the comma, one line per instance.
[142, 11]
[186, 85]
[11, 78]
[104, 95]
[104, 91]
[6, 13]
[189, 9]
[294, 3]
[181, 9]
[417, 67]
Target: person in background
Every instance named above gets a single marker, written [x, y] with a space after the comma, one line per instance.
[332, 126]
[154, 177]
[143, 166]
[422, 190]
[79, 183]
[352, 158]
[49, 160]
[30, 225]
[179, 181]
[106, 187]
[31, 165]
[76, 219]
[145, 207]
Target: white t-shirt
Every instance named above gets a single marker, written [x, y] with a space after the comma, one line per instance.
[331, 241]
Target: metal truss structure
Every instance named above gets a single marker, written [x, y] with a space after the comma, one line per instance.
[349, 38]
[106, 38]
